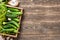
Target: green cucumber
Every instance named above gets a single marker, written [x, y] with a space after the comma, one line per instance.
[13, 14]
[4, 23]
[10, 15]
[9, 31]
[2, 15]
[2, 19]
[13, 26]
[1, 0]
[13, 9]
[15, 23]
[8, 26]
[16, 19]
[17, 13]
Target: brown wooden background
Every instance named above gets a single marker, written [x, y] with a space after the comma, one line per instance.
[41, 20]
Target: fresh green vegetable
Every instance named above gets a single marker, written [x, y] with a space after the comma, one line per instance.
[13, 14]
[1, 0]
[17, 13]
[13, 26]
[14, 23]
[9, 18]
[10, 15]
[2, 14]
[4, 23]
[16, 19]
[9, 31]
[13, 9]
[8, 26]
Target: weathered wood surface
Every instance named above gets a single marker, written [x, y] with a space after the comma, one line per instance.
[41, 20]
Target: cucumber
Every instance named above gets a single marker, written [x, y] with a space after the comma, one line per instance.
[4, 23]
[16, 19]
[14, 23]
[2, 19]
[11, 16]
[1, 0]
[13, 26]
[17, 13]
[13, 9]
[8, 26]
[9, 31]
[2, 15]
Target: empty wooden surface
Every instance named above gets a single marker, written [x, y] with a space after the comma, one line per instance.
[41, 20]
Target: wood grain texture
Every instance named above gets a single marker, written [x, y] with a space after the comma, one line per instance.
[38, 37]
[41, 20]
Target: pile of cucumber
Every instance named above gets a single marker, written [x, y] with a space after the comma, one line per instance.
[9, 19]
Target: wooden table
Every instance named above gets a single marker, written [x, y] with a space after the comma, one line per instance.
[41, 20]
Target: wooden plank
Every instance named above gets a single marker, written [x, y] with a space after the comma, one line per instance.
[38, 37]
[41, 20]
[40, 13]
[44, 28]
